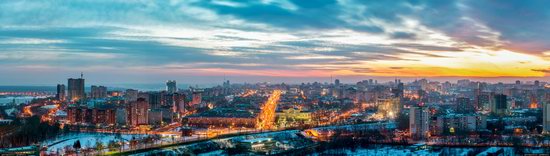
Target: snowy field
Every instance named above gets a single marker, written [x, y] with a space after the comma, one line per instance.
[389, 150]
[87, 140]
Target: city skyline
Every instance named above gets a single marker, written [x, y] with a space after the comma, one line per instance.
[274, 77]
[197, 42]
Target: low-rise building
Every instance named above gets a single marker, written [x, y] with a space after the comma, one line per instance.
[293, 117]
[100, 114]
[223, 117]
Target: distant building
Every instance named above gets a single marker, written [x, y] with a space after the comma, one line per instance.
[75, 89]
[171, 86]
[197, 97]
[337, 82]
[131, 95]
[463, 83]
[226, 87]
[419, 123]
[398, 91]
[98, 92]
[61, 95]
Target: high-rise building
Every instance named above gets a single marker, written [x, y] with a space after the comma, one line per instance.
[463, 83]
[138, 112]
[131, 95]
[226, 87]
[226, 84]
[75, 89]
[171, 86]
[337, 82]
[500, 105]
[419, 124]
[60, 92]
[398, 91]
[98, 92]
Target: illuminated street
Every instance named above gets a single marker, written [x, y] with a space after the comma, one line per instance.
[267, 115]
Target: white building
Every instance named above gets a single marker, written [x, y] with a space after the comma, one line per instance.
[546, 117]
[419, 124]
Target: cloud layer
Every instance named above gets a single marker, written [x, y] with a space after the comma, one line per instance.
[269, 38]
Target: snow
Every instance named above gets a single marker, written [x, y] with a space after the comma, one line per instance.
[11, 111]
[87, 140]
[396, 151]
[49, 107]
[492, 150]
[213, 153]
[60, 113]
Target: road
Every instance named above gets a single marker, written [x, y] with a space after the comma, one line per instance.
[266, 118]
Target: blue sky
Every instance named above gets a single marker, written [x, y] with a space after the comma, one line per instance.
[200, 41]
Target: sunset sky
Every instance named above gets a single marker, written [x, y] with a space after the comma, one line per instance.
[200, 41]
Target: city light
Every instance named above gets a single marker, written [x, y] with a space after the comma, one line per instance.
[267, 115]
[275, 77]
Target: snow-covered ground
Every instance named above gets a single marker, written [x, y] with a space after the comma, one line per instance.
[395, 151]
[87, 140]
[492, 150]
[213, 153]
